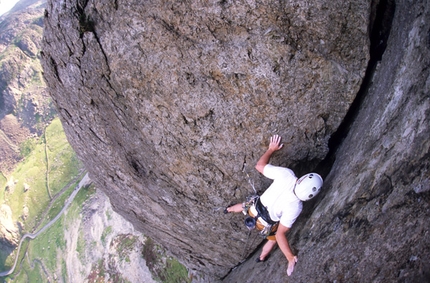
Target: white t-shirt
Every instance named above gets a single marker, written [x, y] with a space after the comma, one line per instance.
[279, 198]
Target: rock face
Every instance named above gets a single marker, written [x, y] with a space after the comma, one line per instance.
[371, 222]
[101, 245]
[170, 105]
[9, 233]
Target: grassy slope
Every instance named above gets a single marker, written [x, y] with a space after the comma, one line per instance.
[54, 161]
[50, 167]
[52, 171]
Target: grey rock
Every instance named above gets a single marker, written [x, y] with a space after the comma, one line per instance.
[370, 224]
[170, 105]
[9, 234]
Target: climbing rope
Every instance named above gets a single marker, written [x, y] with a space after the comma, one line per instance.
[245, 248]
[249, 179]
[249, 199]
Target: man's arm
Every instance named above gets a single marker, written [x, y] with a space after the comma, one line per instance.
[275, 144]
[281, 239]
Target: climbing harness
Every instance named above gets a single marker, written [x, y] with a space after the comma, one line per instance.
[259, 218]
[250, 201]
[255, 220]
[257, 213]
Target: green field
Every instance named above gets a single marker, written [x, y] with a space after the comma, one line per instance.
[50, 164]
[36, 192]
[37, 188]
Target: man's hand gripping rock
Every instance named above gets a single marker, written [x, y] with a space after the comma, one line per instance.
[291, 264]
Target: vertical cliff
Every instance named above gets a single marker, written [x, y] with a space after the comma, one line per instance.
[167, 104]
[170, 105]
[370, 224]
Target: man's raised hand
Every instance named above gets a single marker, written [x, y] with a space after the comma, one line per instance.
[275, 143]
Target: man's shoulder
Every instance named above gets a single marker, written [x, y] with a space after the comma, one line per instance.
[278, 171]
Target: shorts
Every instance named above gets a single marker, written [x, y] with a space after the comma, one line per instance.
[260, 226]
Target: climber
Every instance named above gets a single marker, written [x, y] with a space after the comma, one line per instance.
[281, 202]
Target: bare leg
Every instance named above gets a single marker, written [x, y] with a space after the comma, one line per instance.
[235, 208]
[267, 248]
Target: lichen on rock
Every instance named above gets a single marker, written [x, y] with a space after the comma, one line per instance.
[168, 103]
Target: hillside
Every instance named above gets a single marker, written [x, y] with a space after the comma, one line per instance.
[88, 242]
[25, 106]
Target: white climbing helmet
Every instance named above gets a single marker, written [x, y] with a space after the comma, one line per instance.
[308, 186]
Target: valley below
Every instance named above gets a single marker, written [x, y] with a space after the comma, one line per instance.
[55, 225]
[152, 116]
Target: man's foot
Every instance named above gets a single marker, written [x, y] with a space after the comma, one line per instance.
[233, 208]
[258, 259]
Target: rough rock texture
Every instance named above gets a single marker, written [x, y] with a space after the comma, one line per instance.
[112, 249]
[371, 223]
[167, 103]
[9, 233]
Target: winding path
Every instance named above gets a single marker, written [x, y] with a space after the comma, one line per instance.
[85, 181]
